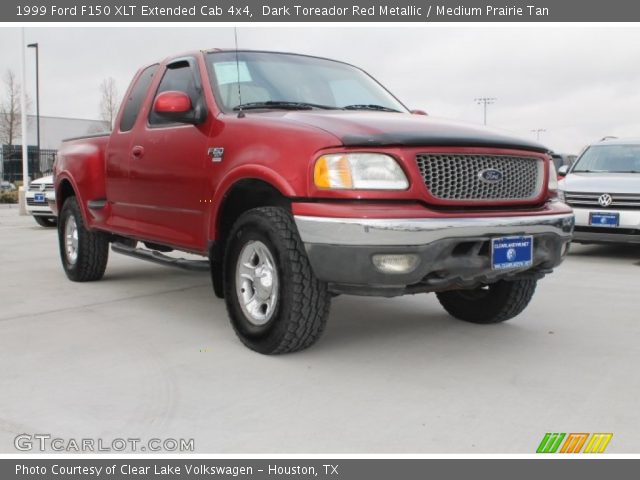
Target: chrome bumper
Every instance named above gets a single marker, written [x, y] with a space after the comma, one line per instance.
[423, 231]
[627, 232]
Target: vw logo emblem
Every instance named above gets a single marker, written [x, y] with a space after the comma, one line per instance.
[490, 175]
[605, 200]
[511, 254]
[42, 187]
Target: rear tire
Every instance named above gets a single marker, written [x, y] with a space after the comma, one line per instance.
[493, 303]
[47, 222]
[84, 253]
[275, 302]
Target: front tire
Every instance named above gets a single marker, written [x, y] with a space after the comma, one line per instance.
[493, 303]
[84, 253]
[275, 302]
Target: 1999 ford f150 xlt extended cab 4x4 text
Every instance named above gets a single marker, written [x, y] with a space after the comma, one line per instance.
[301, 178]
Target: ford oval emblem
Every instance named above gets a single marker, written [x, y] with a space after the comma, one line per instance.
[490, 175]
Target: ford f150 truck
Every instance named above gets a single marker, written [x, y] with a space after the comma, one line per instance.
[300, 178]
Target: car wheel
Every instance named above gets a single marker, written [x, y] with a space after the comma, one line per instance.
[47, 222]
[492, 303]
[275, 302]
[84, 253]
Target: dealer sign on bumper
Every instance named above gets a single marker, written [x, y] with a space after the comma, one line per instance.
[511, 252]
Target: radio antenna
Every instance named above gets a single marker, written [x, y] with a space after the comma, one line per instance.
[240, 113]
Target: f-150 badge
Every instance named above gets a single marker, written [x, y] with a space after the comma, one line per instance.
[216, 154]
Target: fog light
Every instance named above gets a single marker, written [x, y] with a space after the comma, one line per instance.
[396, 263]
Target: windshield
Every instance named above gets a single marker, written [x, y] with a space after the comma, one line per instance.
[610, 158]
[280, 80]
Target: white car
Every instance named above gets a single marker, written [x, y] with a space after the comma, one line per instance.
[603, 187]
[40, 196]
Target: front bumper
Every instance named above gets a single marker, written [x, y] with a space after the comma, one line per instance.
[452, 252]
[627, 232]
[40, 208]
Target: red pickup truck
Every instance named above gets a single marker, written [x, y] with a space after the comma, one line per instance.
[300, 178]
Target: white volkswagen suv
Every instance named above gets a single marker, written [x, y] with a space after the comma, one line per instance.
[603, 187]
[40, 196]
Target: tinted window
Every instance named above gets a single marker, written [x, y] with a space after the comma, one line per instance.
[136, 97]
[180, 78]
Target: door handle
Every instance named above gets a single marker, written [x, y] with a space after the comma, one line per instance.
[137, 151]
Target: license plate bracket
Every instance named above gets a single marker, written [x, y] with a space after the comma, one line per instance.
[39, 197]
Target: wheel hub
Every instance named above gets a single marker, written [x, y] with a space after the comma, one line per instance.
[257, 282]
[71, 240]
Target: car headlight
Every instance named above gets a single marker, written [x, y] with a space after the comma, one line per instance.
[359, 171]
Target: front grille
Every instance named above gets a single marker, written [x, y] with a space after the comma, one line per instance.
[35, 187]
[457, 176]
[620, 201]
[32, 203]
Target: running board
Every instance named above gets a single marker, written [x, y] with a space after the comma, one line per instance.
[157, 257]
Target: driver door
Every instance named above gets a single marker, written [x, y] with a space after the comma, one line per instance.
[168, 162]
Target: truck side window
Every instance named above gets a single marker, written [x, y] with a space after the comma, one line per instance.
[136, 97]
[180, 78]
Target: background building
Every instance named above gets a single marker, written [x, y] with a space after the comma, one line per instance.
[53, 130]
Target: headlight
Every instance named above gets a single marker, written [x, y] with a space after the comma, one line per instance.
[553, 178]
[359, 171]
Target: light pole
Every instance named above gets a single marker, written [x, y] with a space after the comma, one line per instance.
[23, 126]
[35, 45]
[538, 131]
[484, 101]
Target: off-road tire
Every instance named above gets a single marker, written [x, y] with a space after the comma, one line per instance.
[494, 303]
[302, 305]
[47, 222]
[92, 248]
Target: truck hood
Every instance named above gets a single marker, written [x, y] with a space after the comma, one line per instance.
[601, 182]
[368, 129]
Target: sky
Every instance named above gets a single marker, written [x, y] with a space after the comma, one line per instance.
[579, 84]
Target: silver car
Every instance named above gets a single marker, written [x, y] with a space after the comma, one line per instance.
[603, 187]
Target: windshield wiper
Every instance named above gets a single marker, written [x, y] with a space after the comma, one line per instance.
[370, 106]
[281, 104]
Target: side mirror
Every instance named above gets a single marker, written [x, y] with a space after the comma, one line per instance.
[419, 112]
[177, 107]
[563, 170]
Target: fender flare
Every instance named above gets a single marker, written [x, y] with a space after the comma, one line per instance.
[244, 172]
[65, 177]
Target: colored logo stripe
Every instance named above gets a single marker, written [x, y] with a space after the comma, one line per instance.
[598, 442]
[550, 443]
[574, 443]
